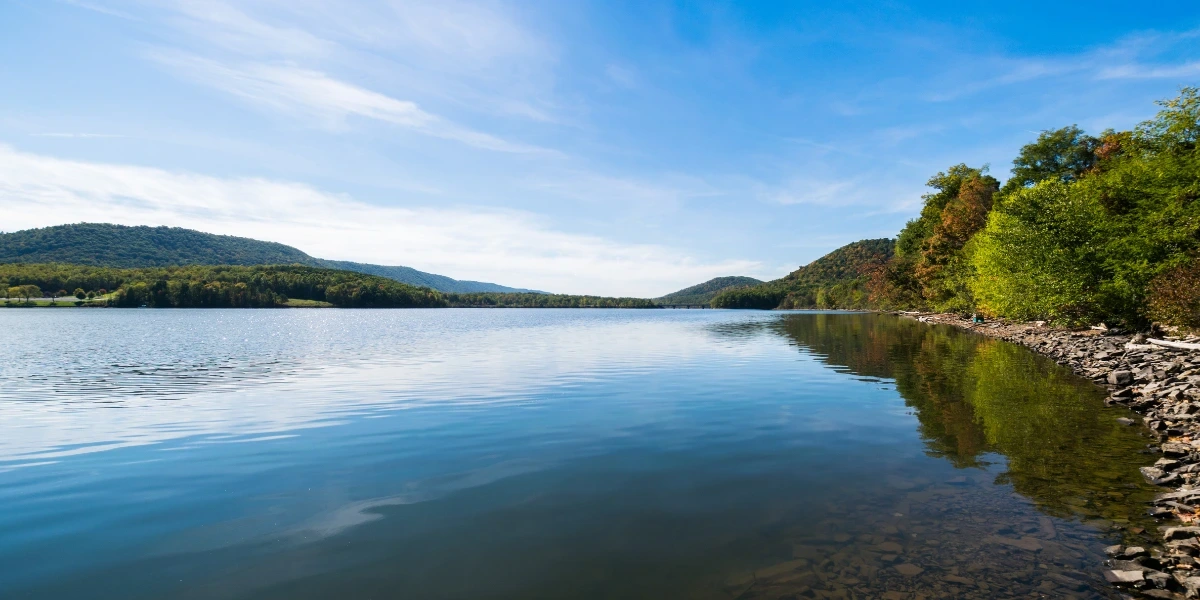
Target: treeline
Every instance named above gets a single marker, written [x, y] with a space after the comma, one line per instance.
[1087, 229]
[534, 300]
[202, 286]
[223, 286]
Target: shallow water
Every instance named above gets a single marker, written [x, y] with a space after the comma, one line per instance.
[548, 454]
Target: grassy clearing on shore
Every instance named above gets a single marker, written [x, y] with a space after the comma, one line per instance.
[298, 303]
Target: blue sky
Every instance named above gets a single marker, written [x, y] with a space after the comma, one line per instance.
[618, 148]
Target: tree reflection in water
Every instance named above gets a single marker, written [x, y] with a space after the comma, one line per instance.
[974, 396]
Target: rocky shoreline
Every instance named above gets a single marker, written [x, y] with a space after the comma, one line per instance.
[1158, 378]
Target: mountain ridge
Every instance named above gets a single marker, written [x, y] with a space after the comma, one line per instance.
[139, 246]
[703, 293]
[836, 279]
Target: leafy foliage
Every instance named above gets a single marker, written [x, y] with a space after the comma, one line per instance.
[1175, 296]
[1086, 250]
[1061, 155]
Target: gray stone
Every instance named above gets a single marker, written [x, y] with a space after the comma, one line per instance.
[1025, 543]
[1176, 533]
[1122, 576]
[1120, 378]
[911, 570]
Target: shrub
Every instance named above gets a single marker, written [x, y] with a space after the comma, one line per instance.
[1174, 297]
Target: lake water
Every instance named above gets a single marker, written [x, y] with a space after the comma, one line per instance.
[548, 454]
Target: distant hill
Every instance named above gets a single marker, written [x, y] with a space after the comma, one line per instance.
[120, 246]
[836, 280]
[704, 292]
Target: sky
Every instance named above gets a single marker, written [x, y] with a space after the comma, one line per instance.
[607, 147]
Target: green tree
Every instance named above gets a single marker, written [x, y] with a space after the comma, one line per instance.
[1176, 128]
[79, 293]
[1039, 258]
[1062, 154]
[946, 186]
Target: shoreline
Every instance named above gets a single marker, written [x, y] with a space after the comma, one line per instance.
[1162, 385]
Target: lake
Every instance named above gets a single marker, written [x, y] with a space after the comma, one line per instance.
[476, 453]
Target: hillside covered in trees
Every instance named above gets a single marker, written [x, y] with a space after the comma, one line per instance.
[203, 286]
[703, 293]
[837, 280]
[120, 246]
[1089, 228]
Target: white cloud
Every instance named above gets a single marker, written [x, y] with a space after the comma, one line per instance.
[314, 94]
[62, 134]
[100, 9]
[513, 248]
[1145, 71]
[1147, 55]
[224, 26]
[475, 55]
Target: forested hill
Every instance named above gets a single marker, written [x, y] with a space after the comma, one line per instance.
[838, 279]
[119, 246]
[704, 292]
[1088, 229]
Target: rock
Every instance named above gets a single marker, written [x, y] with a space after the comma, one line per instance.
[1156, 578]
[890, 548]
[911, 570]
[1126, 565]
[781, 568]
[1025, 543]
[1122, 576]
[1175, 533]
[1120, 378]
[1114, 550]
[1133, 551]
[1068, 582]
[959, 580]
[1192, 586]
[1126, 421]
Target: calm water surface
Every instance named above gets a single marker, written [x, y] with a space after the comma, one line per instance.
[548, 454]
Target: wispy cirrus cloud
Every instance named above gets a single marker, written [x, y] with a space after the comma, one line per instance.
[326, 100]
[464, 242]
[63, 134]
[1146, 55]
